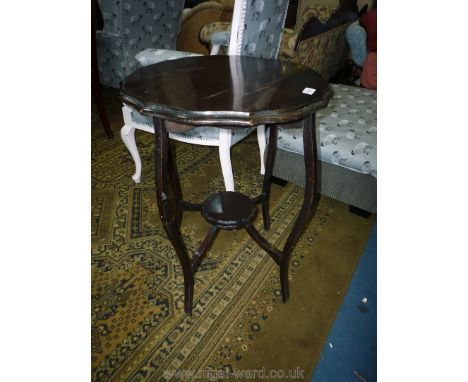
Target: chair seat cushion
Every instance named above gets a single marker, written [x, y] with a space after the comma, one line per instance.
[204, 134]
[209, 134]
[153, 56]
[346, 131]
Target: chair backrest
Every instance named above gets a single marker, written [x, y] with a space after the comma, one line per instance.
[150, 23]
[110, 10]
[257, 27]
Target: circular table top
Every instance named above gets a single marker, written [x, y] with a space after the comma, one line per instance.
[228, 91]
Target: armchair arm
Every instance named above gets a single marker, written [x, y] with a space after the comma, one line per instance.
[288, 43]
[206, 34]
[153, 56]
[221, 38]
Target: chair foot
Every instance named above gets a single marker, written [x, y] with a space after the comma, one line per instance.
[136, 178]
[128, 136]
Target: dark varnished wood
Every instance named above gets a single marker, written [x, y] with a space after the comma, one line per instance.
[266, 92]
[168, 210]
[204, 247]
[229, 210]
[175, 183]
[188, 206]
[95, 82]
[270, 160]
[269, 248]
[308, 205]
[228, 91]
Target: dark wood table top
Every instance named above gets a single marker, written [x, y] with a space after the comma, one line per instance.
[227, 91]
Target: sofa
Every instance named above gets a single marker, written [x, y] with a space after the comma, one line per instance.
[346, 149]
[346, 129]
[318, 39]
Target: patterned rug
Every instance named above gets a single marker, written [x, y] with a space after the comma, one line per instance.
[139, 329]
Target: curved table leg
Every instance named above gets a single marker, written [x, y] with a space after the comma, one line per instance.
[270, 160]
[175, 183]
[169, 211]
[309, 204]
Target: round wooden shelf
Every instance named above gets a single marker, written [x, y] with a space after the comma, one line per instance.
[229, 210]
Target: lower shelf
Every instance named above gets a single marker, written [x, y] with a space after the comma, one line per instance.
[229, 210]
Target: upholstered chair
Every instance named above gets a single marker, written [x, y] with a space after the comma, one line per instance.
[131, 26]
[257, 27]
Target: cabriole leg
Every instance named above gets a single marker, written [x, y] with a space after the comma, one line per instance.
[168, 210]
[309, 204]
[128, 136]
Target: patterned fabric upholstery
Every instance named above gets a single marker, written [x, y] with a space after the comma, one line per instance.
[221, 38]
[290, 36]
[211, 134]
[325, 52]
[264, 21]
[346, 132]
[153, 56]
[129, 27]
[213, 28]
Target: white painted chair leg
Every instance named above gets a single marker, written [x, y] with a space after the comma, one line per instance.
[215, 49]
[128, 136]
[261, 137]
[225, 158]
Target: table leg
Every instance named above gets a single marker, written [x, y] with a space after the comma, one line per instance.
[270, 160]
[175, 183]
[169, 213]
[309, 204]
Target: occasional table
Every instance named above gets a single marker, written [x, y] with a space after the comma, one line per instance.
[233, 92]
